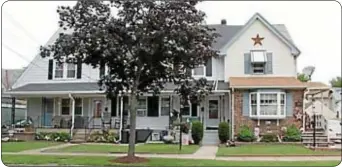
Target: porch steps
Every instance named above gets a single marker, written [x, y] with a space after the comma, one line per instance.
[321, 138]
[210, 137]
[79, 136]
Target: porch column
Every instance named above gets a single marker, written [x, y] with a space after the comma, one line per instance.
[72, 114]
[121, 117]
[13, 111]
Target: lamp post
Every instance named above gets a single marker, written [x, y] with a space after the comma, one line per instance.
[314, 122]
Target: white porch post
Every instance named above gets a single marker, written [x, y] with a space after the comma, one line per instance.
[121, 117]
[72, 114]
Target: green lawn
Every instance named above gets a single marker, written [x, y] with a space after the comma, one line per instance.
[102, 161]
[144, 148]
[272, 150]
[21, 146]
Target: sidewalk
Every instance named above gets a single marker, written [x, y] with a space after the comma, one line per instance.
[189, 156]
[39, 150]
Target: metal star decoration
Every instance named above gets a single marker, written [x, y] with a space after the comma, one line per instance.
[257, 40]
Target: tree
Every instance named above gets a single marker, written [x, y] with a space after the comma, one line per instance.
[336, 82]
[147, 44]
[303, 78]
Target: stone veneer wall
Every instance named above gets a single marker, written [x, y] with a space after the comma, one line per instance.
[239, 119]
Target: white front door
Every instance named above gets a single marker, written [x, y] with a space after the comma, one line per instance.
[212, 114]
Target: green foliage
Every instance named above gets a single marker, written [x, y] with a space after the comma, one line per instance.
[336, 82]
[245, 134]
[269, 137]
[184, 127]
[303, 77]
[223, 132]
[292, 134]
[103, 137]
[197, 131]
[53, 136]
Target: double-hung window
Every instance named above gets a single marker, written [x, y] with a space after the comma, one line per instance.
[142, 107]
[165, 106]
[64, 70]
[267, 104]
[258, 60]
[199, 71]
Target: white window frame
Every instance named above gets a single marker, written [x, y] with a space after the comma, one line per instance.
[259, 116]
[70, 107]
[256, 73]
[190, 110]
[65, 70]
[204, 71]
[160, 105]
[263, 63]
[81, 107]
[143, 110]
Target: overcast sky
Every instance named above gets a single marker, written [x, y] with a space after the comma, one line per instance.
[315, 28]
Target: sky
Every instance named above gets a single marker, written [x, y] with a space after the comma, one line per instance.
[315, 27]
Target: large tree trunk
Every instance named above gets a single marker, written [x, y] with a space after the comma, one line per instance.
[133, 116]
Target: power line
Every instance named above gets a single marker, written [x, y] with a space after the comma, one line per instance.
[32, 62]
[16, 23]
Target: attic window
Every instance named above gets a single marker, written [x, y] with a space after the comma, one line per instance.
[258, 57]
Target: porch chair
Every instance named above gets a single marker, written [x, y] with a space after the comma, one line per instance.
[56, 121]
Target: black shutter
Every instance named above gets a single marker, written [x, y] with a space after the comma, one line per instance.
[153, 106]
[125, 106]
[194, 109]
[102, 71]
[209, 68]
[50, 68]
[113, 107]
[79, 68]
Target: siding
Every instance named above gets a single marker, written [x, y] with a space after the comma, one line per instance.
[282, 60]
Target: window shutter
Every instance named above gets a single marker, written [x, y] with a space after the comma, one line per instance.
[102, 71]
[245, 104]
[269, 66]
[113, 107]
[247, 57]
[79, 68]
[209, 68]
[50, 68]
[194, 109]
[289, 104]
[153, 106]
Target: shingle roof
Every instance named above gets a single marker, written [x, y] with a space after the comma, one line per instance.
[9, 76]
[227, 32]
[316, 85]
[250, 82]
[73, 86]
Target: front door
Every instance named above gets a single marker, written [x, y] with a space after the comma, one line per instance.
[213, 112]
[48, 112]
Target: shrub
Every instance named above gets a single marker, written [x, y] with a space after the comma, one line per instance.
[223, 132]
[53, 136]
[269, 137]
[184, 128]
[197, 131]
[104, 137]
[245, 134]
[292, 134]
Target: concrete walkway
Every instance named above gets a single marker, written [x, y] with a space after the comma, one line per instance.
[189, 156]
[39, 150]
[206, 151]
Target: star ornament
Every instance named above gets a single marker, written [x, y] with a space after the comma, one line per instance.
[257, 40]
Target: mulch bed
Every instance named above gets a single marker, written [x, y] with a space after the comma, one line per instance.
[129, 160]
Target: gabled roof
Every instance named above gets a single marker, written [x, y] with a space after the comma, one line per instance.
[278, 32]
[9, 76]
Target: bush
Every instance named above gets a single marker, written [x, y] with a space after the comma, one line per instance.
[245, 134]
[292, 134]
[269, 137]
[53, 136]
[104, 137]
[197, 131]
[184, 128]
[223, 132]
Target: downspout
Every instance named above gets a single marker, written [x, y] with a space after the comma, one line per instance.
[72, 114]
[232, 113]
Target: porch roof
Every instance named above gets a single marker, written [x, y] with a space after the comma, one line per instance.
[265, 82]
[82, 88]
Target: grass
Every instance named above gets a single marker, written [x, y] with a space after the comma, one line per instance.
[145, 148]
[102, 161]
[272, 150]
[21, 146]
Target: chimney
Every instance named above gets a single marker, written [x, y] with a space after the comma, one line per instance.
[224, 22]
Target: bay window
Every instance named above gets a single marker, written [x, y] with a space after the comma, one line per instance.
[267, 104]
